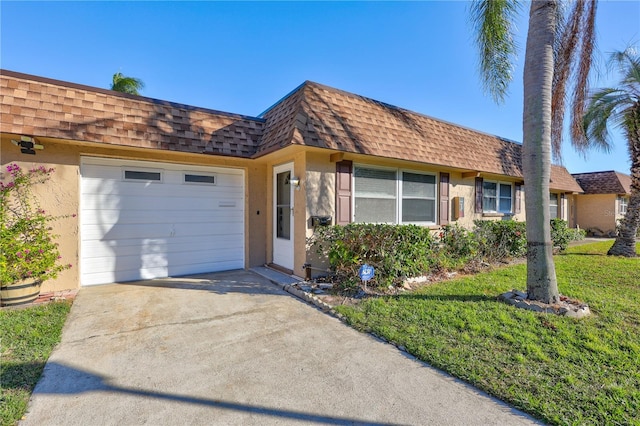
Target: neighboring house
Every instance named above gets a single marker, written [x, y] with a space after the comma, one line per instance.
[604, 201]
[164, 189]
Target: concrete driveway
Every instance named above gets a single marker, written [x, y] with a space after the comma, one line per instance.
[232, 348]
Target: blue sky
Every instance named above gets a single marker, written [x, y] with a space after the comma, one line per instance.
[242, 57]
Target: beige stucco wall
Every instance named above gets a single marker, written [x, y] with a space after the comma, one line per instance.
[61, 195]
[319, 190]
[596, 211]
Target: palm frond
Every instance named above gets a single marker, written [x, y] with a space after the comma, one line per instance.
[568, 31]
[494, 25]
[581, 86]
[124, 84]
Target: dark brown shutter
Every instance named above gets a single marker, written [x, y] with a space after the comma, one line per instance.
[518, 198]
[343, 192]
[479, 182]
[444, 198]
[562, 209]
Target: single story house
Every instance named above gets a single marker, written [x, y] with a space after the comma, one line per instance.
[604, 201]
[163, 189]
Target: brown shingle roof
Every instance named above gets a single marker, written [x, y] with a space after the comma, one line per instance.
[43, 107]
[608, 182]
[312, 115]
[320, 116]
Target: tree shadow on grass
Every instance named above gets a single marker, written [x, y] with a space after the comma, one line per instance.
[20, 375]
[450, 297]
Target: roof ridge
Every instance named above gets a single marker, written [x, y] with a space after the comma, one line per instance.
[284, 98]
[600, 172]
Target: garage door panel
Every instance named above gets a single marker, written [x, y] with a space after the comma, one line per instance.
[92, 248]
[96, 250]
[112, 217]
[134, 230]
[98, 175]
[153, 257]
[96, 276]
[159, 230]
[154, 189]
[146, 202]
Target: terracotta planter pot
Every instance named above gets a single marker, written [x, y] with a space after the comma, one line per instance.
[19, 293]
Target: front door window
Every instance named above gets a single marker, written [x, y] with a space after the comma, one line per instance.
[283, 205]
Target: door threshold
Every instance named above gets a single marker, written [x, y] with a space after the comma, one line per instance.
[279, 268]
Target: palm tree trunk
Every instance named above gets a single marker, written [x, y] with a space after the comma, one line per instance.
[625, 244]
[536, 149]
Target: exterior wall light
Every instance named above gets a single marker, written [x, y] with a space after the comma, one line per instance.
[295, 182]
[27, 145]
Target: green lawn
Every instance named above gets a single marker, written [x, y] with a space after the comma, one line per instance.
[561, 370]
[28, 337]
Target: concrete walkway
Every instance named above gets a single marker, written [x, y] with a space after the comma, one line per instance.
[232, 348]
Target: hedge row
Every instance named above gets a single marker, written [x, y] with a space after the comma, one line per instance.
[398, 252]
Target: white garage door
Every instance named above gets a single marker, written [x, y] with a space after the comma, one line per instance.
[142, 220]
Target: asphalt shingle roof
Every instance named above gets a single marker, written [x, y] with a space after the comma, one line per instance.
[49, 108]
[607, 182]
[312, 115]
[324, 117]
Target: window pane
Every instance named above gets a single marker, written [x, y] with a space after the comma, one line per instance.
[553, 205]
[371, 182]
[417, 185]
[489, 204]
[283, 222]
[489, 189]
[375, 210]
[505, 191]
[283, 189]
[137, 175]
[418, 210]
[505, 205]
[200, 178]
[283, 205]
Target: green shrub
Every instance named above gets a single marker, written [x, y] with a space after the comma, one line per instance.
[499, 240]
[395, 251]
[398, 252]
[562, 235]
[458, 246]
[559, 234]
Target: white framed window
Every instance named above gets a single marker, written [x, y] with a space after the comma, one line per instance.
[144, 175]
[375, 193]
[418, 198]
[622, 204]
[383, 195]
[199, 178]
[553, 205]
[497, 197]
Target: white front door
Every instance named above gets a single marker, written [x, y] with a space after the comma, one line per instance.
[283, 216]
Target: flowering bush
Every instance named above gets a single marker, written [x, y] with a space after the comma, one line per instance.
[28, 245]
